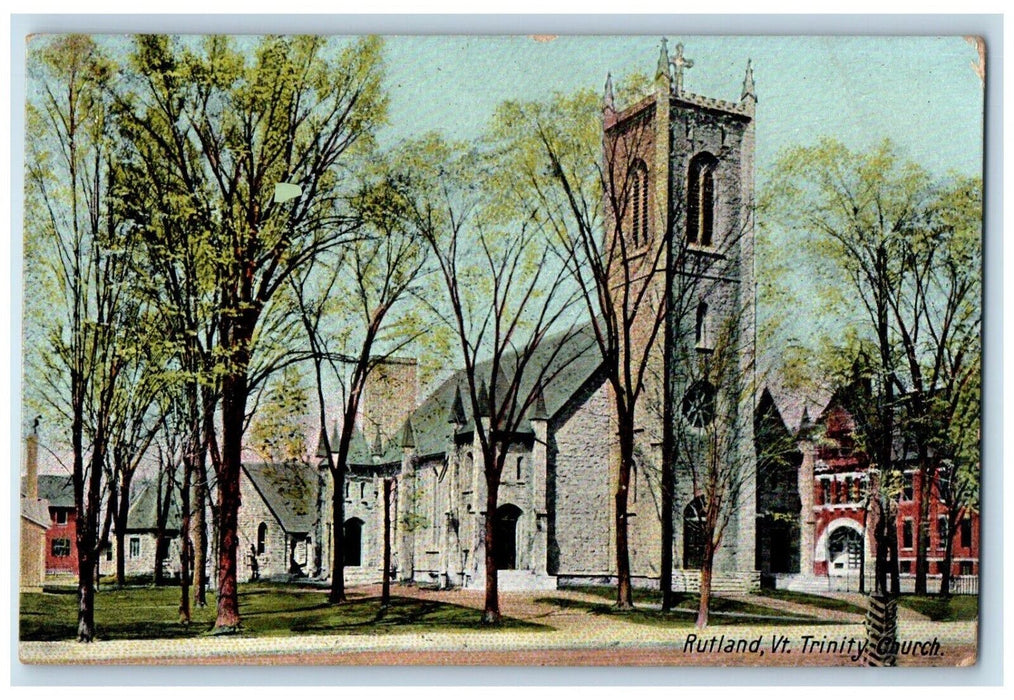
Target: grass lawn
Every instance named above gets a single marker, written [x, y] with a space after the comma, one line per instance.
[817, 601]
[266, 610]
[640, 595]
[739, 612]
[959, 607]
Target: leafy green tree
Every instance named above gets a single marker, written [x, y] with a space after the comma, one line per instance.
[80, 253]
[257, 142]
[901, 253]
[277, 432]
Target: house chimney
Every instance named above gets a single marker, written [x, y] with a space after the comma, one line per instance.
[32, 466]
[389, 397]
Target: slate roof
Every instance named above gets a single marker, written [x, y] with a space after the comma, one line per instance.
[579, 357]
[290, 491]
[143, 513]
[36, 511]
[55, 488]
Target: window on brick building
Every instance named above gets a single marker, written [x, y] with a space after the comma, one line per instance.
[60, 547]
[907, 533]
[965, 568]
[701, 199]
[942, 531]
[906, 567]
[135, 548]
[109, 553]
[638, 204]
[966, 532]
[908, 487]
[61, 516]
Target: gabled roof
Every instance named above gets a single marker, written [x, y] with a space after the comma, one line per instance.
[36, 511]
[575, 362]
[143, 513]
[55, 488]
[289, 490]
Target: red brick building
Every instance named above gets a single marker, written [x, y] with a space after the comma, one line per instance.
[834, 541]
[61, 536]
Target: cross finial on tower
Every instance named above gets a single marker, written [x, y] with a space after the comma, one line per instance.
[679, 62]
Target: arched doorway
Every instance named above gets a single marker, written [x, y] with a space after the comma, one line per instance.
[506, 543]
[353, 543]
[693, 534]
[844, 551]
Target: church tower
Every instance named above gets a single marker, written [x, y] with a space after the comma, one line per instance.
[684, 193]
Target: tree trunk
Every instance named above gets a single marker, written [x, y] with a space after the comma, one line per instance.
[385, 591]
[120, 520]
[199, 528]
[337, 594]
[666, 504]
[185, 541]
[624, 596]
[85, 597]
[491, 609]
[234, 397]
[923, 524]
[945, 567]
[199, 525]
[707, 565]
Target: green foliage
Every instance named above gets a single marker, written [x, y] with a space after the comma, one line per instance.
[277, 432]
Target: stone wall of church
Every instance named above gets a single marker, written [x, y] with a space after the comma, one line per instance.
[719, 275]
[274, 561]
[579, 492]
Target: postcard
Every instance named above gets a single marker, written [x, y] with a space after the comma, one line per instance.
[517, 350]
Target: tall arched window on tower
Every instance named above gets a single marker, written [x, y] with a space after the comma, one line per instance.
[638, 204]
[701, 199]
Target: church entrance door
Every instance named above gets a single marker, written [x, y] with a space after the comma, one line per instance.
[506, 542]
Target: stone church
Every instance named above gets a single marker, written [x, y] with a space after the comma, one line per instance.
[689, 160]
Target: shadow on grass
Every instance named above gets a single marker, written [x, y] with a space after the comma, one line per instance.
[152, 613]
[723, 612]
[814, 600]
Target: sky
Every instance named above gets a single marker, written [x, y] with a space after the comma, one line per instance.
[923, 93]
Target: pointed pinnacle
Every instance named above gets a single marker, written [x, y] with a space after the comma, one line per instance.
[607, 96]
[408, 435]
[483, 399]
[749, 89]
[322, 444]
[662, 70]
[378, 445]
[540, 412]
[457, 414]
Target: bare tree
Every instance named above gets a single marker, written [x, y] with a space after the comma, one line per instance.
[504, 295]
[356, 311]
